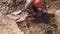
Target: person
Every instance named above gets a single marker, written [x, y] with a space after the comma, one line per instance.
[37, 5]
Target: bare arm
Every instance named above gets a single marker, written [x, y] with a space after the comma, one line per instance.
[28, 4]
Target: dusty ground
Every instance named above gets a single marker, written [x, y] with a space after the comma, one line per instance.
[46, 24]
[38, 26]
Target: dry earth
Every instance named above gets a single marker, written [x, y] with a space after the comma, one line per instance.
[48, 23]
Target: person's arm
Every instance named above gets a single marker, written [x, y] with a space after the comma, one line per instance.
[28, 4]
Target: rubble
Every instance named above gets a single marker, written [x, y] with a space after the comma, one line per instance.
[17, 12]
[18, 18]
[13, 20]
[57, 16]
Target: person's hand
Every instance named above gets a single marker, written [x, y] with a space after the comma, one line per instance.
[33, 13]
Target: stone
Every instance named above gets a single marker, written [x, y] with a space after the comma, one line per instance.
[57, 16]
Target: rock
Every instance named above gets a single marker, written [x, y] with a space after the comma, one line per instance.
[8, 26]
[17, 12]
[19, 0]
[51, 11]
[3, 0]
[57, 16]
[20, 17]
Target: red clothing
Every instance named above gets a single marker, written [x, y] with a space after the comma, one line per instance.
[37, 3]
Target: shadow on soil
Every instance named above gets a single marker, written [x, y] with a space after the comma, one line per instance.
[45, 18]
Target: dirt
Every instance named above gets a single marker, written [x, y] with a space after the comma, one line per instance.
[9, 26]
[48, 23]
[38, 26]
